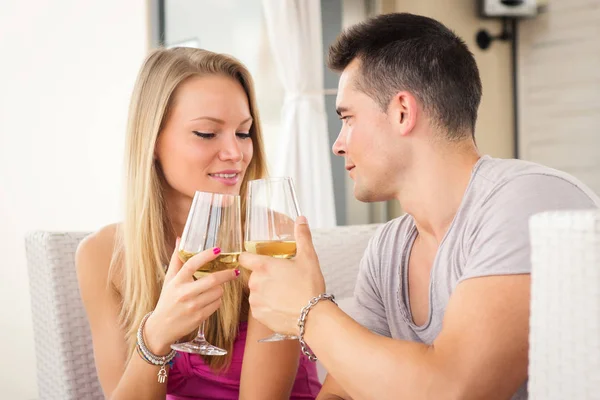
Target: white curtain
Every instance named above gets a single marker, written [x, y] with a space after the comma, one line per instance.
[294, 31]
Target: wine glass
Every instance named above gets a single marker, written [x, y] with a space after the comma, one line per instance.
[271, 212]
[214, 220]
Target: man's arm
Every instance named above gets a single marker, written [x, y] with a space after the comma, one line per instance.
[331, 390]
[268, 369]
[366, 307]
[480, 353]
[482, 349]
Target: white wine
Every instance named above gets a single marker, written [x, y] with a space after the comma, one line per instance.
[222, 262]
[272, 248]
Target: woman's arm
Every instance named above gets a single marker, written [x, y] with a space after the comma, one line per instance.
[119, 379]
[182, 306]
[269, 369]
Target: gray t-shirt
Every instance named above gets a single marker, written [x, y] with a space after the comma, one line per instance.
[488, 236]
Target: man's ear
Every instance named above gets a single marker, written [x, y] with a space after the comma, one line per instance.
[403, 110]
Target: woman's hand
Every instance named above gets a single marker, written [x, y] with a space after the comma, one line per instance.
[184, 302]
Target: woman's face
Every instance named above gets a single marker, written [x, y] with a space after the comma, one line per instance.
[205, 144]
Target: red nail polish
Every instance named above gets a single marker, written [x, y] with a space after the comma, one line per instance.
[237, 272]
[216, 250]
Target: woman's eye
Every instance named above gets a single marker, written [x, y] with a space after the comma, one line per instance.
[204, 135]
[244, 135]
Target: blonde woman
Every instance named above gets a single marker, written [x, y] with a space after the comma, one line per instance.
[193, 125]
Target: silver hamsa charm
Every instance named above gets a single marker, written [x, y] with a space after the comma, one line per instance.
[162, 374]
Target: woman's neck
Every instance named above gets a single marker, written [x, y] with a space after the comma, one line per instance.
[177, 209]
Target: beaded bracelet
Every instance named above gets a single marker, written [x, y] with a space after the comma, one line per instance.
[150, 357]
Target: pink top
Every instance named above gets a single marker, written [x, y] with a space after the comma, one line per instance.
[190, 378]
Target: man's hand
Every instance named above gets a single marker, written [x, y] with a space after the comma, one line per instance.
[279, 288]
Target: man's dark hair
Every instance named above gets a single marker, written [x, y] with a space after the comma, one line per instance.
[403, 51]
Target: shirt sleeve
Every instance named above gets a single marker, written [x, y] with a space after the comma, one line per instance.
[498, 242]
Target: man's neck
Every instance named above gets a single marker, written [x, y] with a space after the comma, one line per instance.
[434, 190]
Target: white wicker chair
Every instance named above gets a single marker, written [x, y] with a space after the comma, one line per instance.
[65, 364]
[63, 346]
[564, 354]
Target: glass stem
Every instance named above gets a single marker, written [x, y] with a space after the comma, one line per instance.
[200, 336]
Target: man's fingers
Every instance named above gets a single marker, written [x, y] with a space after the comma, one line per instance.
[252, 261]
[304, 244]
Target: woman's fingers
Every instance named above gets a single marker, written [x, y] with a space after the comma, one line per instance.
[175, 264]
[195, 263]
[200, 299]
[214, 280]
[209, 310]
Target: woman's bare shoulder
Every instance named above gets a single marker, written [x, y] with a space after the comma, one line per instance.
[95, 254]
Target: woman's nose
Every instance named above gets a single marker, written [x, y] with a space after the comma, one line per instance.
[231, 151]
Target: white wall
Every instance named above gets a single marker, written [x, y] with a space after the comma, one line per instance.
[66, 72]
[238, 28]
[559, 89]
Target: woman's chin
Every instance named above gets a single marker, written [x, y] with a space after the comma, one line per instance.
[224, 189]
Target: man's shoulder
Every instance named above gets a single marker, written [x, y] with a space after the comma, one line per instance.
[518, 178]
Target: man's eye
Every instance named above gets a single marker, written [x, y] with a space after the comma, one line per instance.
[204, 135]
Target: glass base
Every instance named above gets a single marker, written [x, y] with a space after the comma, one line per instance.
[197, 346]
[278, 337]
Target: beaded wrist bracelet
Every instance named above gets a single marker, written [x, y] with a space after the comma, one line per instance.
[150, 357]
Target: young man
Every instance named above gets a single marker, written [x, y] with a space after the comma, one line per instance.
[442, 296]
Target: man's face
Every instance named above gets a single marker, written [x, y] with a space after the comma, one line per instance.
[369, 141]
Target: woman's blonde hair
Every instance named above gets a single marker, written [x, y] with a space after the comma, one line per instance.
[142, 249]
